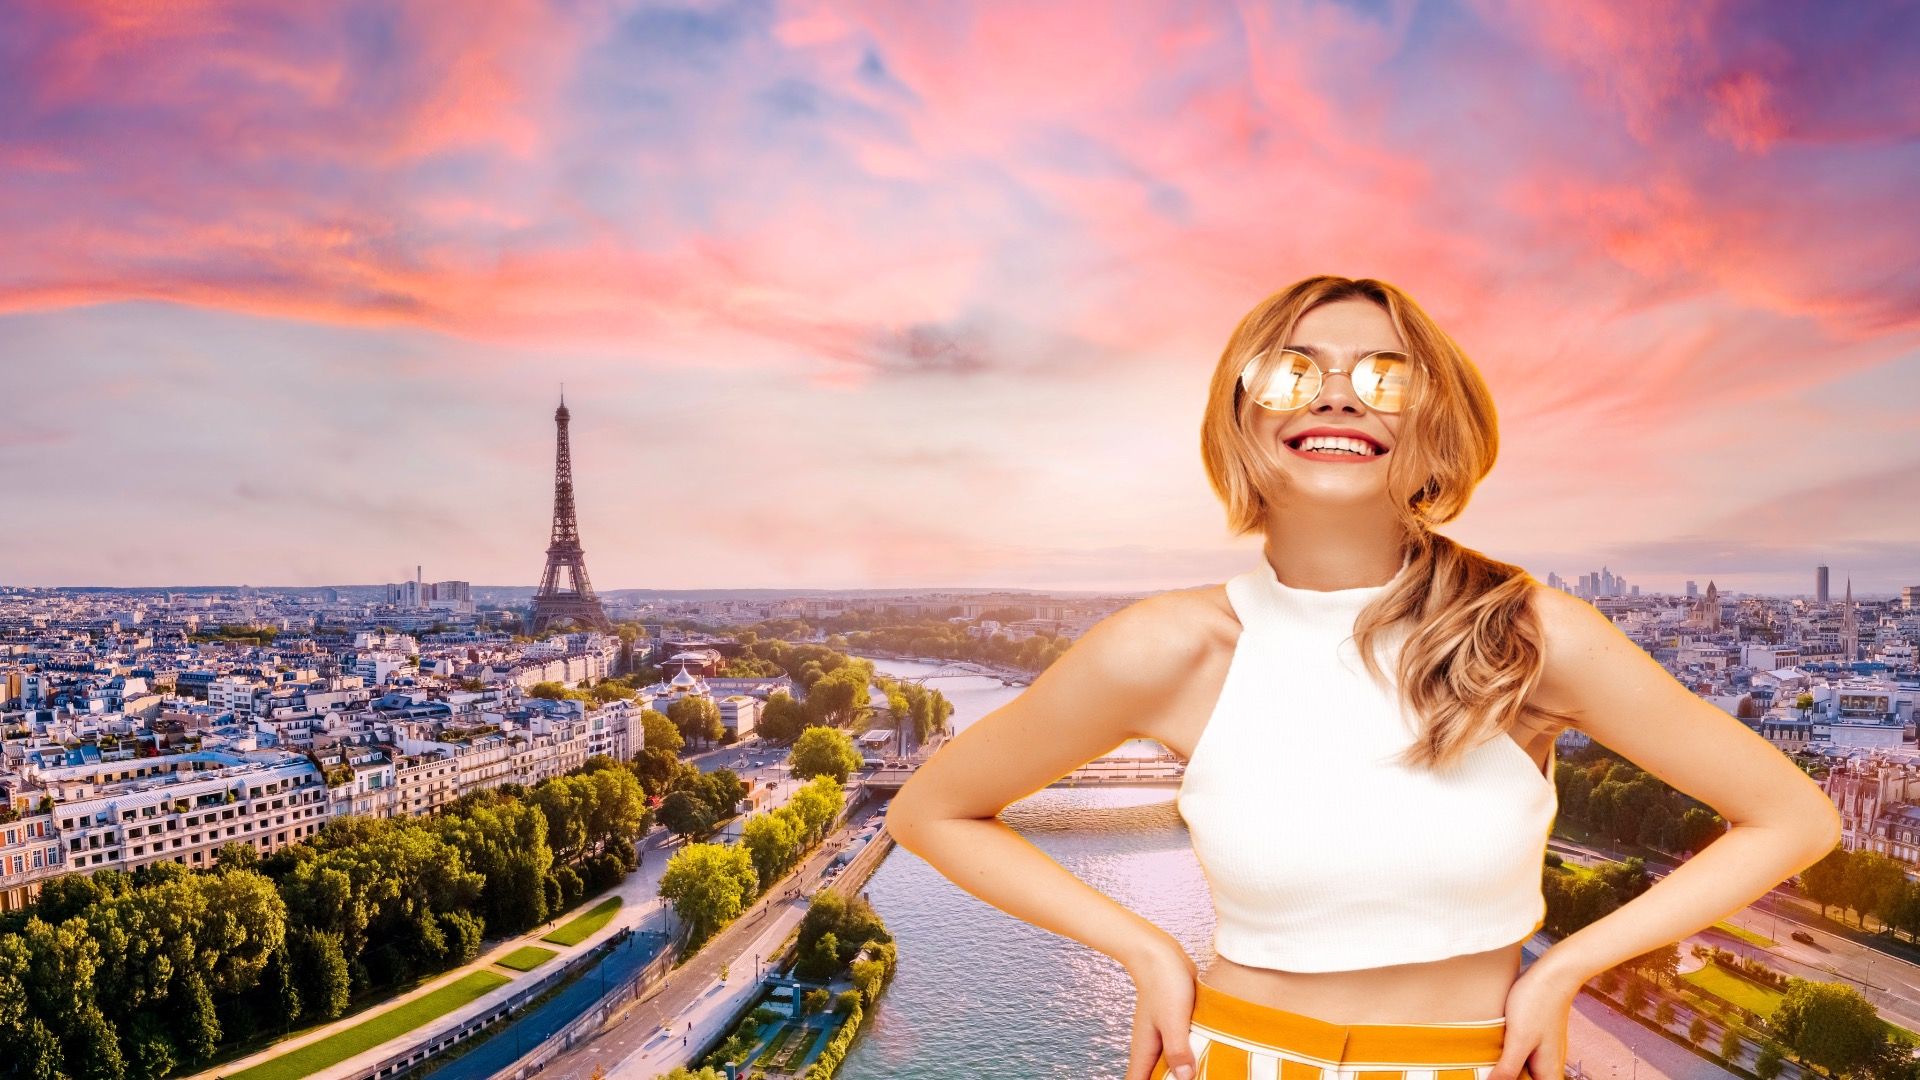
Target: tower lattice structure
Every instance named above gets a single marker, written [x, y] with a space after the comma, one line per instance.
[575, 604]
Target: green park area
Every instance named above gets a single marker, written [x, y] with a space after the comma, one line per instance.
[361, 1037]
[526, 958]
[1726, 986]
[577, 931]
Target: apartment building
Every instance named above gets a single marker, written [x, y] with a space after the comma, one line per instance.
[186, 816]
[29, 854]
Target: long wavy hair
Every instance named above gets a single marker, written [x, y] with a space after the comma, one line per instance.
[1472, 653]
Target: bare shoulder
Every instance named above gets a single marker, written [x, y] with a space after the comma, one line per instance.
[1149, 645]
[1571, 631]
[1120, 680]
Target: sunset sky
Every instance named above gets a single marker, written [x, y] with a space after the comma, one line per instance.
[875, 295]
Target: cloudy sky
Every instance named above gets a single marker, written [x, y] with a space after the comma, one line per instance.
[871, 295]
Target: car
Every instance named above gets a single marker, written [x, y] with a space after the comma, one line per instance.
[1802, 936]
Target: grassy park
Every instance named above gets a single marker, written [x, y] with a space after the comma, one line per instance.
[579, 929]
[342, 1045]
[526, 958]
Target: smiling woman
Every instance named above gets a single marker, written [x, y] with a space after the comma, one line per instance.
[1368, 715]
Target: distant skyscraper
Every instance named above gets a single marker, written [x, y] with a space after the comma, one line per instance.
[1819, 584]
[1693, 590]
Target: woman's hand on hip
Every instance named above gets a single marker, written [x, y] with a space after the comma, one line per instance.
[1163, 980]
[1538, 1005]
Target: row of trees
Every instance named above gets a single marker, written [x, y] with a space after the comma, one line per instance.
[952, 641]
[927, 711]
[1830, 1026]
[1865, 883]
[710, 884]
[116, 974]
[1614, 798]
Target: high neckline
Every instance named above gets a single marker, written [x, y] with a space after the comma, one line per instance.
[1295, 604]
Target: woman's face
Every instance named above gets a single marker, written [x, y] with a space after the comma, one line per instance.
[1337, 335]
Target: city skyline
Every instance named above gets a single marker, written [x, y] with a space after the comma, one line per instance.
[835, 315]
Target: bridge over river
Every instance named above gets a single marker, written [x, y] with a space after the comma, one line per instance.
[1140, 770]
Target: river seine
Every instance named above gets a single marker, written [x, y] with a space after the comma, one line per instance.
[980, 994]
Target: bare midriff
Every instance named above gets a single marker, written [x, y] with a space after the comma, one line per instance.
[1457, 988]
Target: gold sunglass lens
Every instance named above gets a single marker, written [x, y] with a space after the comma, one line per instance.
[1384, 381]
[1280, 380]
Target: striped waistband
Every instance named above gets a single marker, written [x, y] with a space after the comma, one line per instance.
[1474, 1042]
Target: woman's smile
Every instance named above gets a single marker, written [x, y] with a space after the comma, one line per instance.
[1346, 457]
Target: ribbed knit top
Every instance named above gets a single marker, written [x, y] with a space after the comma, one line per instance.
[1322, 853]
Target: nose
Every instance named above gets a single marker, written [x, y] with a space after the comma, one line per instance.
[1336, 392]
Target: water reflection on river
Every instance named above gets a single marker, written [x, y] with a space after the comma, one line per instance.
[982, 994]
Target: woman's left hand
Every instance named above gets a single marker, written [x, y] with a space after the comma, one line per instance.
[1538, 1005]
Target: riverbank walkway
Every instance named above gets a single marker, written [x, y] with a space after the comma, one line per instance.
[641, 910]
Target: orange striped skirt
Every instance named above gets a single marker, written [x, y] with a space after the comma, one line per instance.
[1237, 1039]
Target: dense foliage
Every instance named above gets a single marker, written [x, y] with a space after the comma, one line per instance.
[116, 974]
[710, 884]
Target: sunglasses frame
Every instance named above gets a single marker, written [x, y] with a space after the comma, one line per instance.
[1240, 383]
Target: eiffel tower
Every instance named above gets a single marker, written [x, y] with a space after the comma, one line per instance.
[577, 605]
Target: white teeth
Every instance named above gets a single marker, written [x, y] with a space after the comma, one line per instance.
[1338, 444]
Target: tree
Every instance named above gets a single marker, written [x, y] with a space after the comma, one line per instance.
[822, 960]
[654, 769]
[153, 1054]
[772, 841]
[237, 855]
[197, 1025]
[1828, 1025]
[783, 719]
[1825, 882]
[322, 968]
[821, 751]
[685, 813]
[612, 690]
[840, 696]
[708, 885]
[1876, 883]
[658, 732]
[697, 717]
[817, 805]
[1730, 1041]
[506, 842]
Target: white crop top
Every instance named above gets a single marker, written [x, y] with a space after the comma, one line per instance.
[1322, 853]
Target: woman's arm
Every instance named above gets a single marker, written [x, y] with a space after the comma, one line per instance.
[1781, 822]
[1101, 692]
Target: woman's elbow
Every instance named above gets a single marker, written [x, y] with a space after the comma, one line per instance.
[905, 815]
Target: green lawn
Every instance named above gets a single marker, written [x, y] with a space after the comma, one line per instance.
[578, 930]
[1748, 936]
[336, 1048]
[1714, 980]
[526, 958]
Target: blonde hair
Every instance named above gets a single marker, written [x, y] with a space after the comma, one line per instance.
[1472, 655]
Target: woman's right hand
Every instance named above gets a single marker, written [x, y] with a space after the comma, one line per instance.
[1163, 979]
